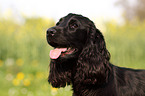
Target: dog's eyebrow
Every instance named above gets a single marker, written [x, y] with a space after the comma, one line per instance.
[73, 20]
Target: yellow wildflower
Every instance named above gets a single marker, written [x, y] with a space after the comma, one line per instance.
[16, 82]
[19, 62]
[1, 63]
[20, 76]
[54, 90]
[26, 82]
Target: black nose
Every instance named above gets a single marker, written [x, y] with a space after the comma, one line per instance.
[51, 31]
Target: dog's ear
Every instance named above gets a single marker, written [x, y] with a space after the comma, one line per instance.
[93, 63]
[59, 74]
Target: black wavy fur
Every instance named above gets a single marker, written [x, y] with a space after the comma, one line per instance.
[88, 69]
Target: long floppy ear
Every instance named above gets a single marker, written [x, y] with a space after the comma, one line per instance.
[60, 73]
[93, 63]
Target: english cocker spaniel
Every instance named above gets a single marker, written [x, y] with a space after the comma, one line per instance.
[80, 58]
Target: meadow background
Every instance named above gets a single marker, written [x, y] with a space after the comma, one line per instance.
[24, 52]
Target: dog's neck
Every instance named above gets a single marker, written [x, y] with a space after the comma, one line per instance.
[81, 89]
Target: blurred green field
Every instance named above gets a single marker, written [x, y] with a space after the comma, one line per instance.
[24, 54]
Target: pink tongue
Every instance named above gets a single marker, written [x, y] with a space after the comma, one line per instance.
[54, 54]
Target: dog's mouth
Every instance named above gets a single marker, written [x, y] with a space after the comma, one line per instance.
[57, 52]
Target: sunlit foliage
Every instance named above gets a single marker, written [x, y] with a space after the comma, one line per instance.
[24, 54]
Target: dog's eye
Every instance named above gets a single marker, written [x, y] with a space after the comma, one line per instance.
[73, 25]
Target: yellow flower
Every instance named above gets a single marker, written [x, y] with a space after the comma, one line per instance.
[20, 76]
[54, 90]
[16, 82]
[1, 63]
[19, 62]
[26, 82]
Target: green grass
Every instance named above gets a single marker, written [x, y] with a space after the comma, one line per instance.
[24, 55]
[127, 45]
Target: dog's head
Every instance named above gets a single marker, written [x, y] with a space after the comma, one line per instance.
[72, 35]
[68, 36]
[75, 36]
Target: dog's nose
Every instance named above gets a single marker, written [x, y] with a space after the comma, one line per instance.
[51, 31]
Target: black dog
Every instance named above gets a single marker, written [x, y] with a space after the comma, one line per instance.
[80, 58]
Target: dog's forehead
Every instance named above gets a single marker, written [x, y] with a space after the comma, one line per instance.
[68, 17]
[81, 19]
[77, 17]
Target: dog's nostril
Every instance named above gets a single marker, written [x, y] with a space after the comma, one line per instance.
[51, 31]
